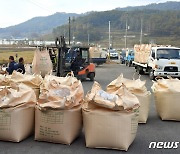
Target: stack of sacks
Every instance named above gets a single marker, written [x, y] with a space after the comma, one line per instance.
[16, 112]
[142, 52]
[147, 52]
[58, 115]
[110, 120]
[32, 81]
[136, 52]
[167, 96]
[94, 52]
[136, 87]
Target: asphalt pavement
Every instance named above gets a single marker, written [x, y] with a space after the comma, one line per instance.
[154, 130]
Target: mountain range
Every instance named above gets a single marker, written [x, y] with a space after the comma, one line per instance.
[170, 5]
[38, 26]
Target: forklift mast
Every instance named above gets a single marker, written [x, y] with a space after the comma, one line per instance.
[61, 46]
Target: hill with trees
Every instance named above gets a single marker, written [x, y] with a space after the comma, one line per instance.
[160, 24]
[155, 23]
[170, 5]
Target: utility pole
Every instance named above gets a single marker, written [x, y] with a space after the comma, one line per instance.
[126, 32]
[141, 31]
[64, 32]
[109, 35]
[88, 38]
[73, 20]
[69, 31]
[112, 42]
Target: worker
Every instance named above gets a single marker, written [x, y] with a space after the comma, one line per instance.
[78, 58]
[78, 61]
[20, 66]
[53, 58]
[12, 65]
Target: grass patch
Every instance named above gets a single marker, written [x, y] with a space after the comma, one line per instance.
[27, 55]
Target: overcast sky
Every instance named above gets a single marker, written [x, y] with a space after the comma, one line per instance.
[13, 12]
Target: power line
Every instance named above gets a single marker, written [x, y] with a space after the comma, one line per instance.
[39, 5]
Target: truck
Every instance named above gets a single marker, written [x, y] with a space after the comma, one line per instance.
[98, 61]
[97, 55]
[157, 60]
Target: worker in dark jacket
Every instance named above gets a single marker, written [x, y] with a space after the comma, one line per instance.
[12, 65]
[77, 61]
[20, 66]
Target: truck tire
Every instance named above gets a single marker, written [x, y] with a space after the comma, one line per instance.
[91, 76]
[126, 63]
[151, 74]
[139, 70]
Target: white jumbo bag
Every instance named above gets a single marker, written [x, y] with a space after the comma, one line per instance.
[41, 63]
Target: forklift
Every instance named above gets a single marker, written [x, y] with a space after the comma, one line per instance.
[53, 57]
[75, 58]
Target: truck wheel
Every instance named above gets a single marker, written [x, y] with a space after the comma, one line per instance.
[91, 76]
[126, 63]
[151, 74]
[140, 70]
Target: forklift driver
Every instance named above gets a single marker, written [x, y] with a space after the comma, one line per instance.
[77, 63]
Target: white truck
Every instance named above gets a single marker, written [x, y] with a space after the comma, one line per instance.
[159, 61]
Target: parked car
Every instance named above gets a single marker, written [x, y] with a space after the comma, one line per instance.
[113, 54]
